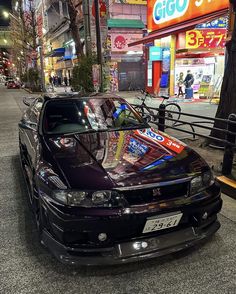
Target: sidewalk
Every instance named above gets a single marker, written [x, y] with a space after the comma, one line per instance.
[131, 96]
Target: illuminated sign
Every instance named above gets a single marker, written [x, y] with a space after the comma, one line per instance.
[155, 53]
[214, 38]
[219, 23]
[164, 13]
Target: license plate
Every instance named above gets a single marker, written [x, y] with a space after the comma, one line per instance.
[162, 222]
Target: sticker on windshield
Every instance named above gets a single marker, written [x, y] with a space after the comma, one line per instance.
[155, 137]
[136, 148]
[119, 110]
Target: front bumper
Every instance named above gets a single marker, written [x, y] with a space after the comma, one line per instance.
[71, 234]
[134, 250]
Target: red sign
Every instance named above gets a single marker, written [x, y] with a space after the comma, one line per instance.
[163, 139]
[119, 42]
[102, 9]
[205, 38]
[165, 13]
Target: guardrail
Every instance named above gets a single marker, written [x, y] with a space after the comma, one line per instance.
[229, 132]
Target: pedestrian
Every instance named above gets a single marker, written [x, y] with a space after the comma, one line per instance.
[180, 84]
[188, 82]
[59, 81]
[66, 81]
[54, 80]
[50, 80]
[189, 79]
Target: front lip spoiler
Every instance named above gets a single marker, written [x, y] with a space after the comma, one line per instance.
[125, 252]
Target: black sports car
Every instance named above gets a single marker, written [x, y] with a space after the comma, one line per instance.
[107, 188]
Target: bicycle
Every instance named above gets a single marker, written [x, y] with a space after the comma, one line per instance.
[172, 106]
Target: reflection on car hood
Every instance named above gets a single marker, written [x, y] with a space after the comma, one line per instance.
[123, 158]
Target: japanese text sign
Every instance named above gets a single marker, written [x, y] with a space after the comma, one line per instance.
[214, 38]
[164, 13]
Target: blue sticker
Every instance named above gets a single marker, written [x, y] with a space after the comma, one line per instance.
[118, 111]
[136, 148]
[157, 162]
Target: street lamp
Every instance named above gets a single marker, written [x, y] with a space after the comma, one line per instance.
[6, 14]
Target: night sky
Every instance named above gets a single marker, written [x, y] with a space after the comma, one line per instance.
[4, 5]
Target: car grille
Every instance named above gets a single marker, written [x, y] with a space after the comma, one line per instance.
[159, 194]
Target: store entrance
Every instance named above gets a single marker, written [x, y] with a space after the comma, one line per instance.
[207, 70]
[131, 77]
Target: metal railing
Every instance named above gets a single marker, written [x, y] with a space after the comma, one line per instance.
[228, 132]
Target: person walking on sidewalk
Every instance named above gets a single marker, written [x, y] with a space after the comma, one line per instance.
[65, 81]
[189, 79]
[180, 84]
[188, 82]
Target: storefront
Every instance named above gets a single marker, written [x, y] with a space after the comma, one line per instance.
[128, 61]
[166, 56]
[202, 51]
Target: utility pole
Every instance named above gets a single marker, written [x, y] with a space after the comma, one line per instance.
[87, 30]
[42, 68]
[99, 44]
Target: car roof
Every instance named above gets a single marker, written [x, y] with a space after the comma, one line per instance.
[76, 95]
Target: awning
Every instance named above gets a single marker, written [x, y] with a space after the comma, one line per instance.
[56, 52]
[178, 28]
[125, 23]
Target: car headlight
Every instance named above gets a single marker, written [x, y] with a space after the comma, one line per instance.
[201, 182]
[89, 198]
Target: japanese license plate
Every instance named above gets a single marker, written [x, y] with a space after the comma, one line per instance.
[162, 222]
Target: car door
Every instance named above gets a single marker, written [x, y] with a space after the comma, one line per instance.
[29, 128]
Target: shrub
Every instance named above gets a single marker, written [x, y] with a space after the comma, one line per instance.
[82, 75]
[31, 79]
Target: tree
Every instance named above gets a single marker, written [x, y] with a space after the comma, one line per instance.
[75, 26]
[227, 103]
[24, 34]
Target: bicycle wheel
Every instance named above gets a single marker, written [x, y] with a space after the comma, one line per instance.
[176, 116]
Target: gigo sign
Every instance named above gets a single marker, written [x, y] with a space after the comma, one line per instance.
[164, 13]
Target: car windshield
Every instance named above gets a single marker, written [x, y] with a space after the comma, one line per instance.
[89, 115]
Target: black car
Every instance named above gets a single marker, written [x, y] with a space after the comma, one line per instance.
[106, 188]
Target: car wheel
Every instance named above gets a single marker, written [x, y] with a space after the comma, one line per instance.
[35, 206]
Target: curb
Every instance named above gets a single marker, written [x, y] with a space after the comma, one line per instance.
[30, 92]
[228, 186]
[27, 90]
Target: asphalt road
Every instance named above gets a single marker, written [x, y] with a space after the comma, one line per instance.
[26, 267]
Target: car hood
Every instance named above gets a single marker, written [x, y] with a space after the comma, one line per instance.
[105, 160]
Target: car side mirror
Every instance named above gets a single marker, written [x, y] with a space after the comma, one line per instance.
[28, 125]
[28, 100]
[147, 118]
